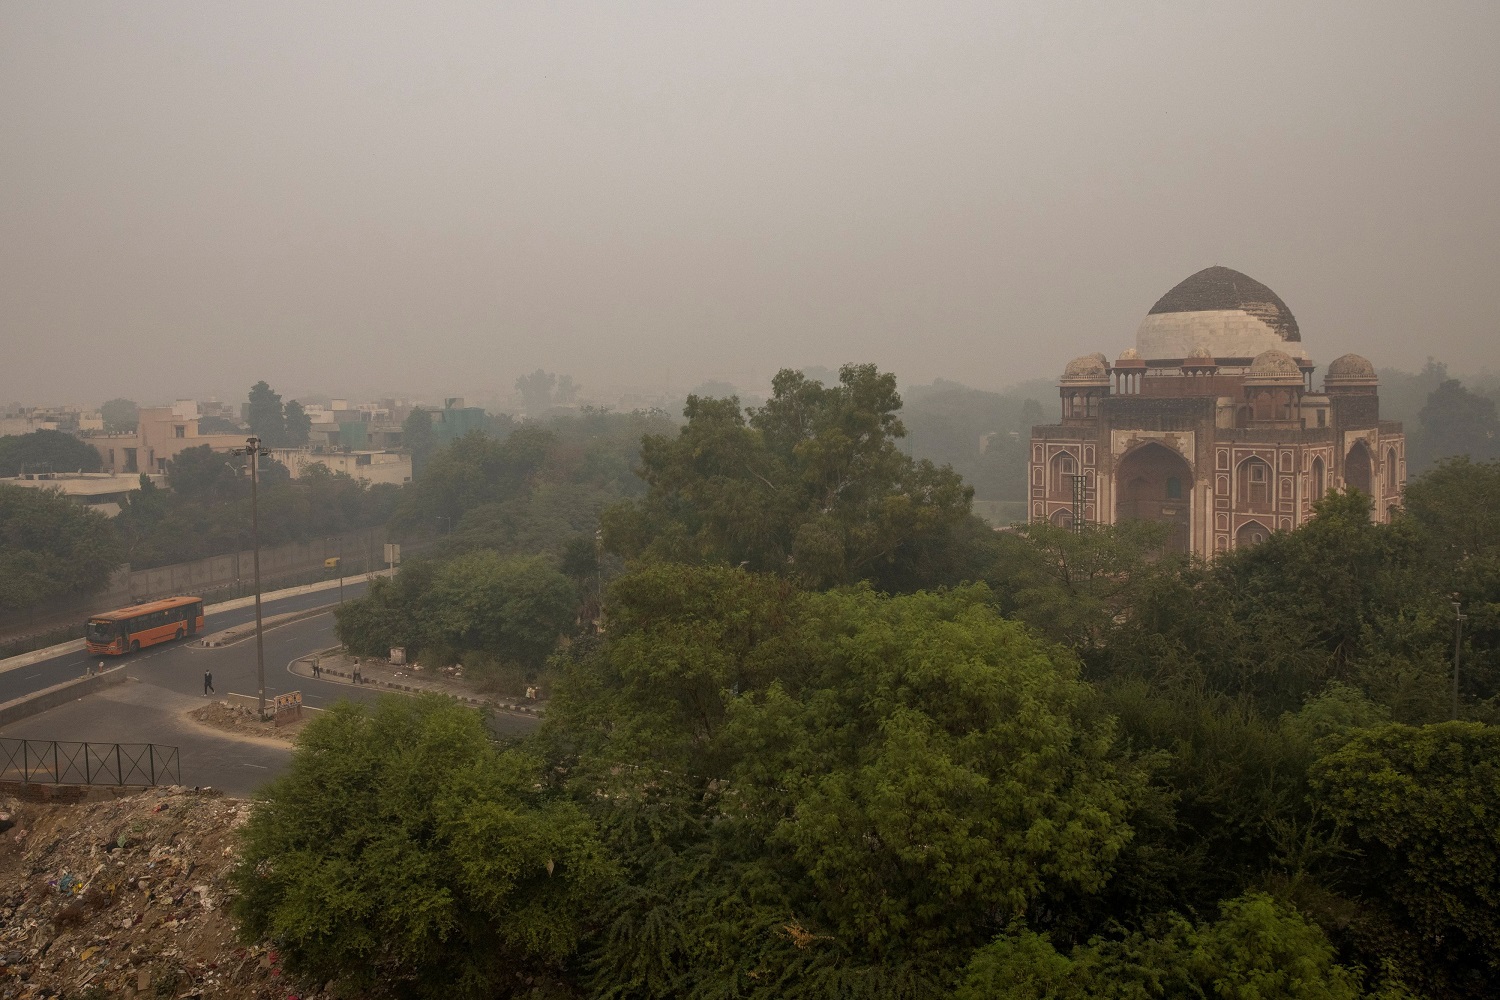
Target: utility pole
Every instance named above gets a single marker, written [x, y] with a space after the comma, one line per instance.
[1458, 637]
[253, 451]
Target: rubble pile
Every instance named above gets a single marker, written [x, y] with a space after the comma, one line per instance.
[127, 898]
[238, 719]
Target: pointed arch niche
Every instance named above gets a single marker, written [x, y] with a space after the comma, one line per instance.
[1155, 483]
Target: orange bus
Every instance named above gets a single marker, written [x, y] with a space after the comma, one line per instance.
[127, 630]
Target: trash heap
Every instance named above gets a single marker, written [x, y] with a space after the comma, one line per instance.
[127, 898]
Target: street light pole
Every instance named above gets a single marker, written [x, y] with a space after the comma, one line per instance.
[253, 450]
[1458, 635]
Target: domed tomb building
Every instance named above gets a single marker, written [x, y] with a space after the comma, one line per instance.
[1212, 424]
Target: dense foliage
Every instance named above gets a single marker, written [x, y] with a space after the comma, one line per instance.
[499, 616]
[51, 548]
[207, 510]
[811, 485]
[813, 761]
[46, 451]
[120, 416]
[406, 855]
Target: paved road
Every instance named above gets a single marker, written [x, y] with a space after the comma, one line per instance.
[45, 673]
[167, 682]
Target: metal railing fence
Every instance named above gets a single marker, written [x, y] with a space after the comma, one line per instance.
[57, 762]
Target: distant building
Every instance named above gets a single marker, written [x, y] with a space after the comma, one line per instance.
[161, 433]
[68, 419]
[369, 466]
[455, 420]
[102, 491]
[1211, 424]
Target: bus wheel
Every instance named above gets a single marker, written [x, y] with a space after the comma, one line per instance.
[135, 647]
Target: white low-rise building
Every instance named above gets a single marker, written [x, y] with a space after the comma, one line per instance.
[370, 466]
[105, 492]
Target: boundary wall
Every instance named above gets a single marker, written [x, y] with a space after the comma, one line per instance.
[220, 577]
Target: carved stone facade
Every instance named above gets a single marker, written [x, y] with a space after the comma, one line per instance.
[1224, 447]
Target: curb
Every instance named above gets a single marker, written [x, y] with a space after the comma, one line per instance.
[239, 633]
[49, 698]
[515, 709]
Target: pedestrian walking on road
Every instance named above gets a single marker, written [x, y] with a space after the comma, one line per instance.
[317, 666]
[208, 683]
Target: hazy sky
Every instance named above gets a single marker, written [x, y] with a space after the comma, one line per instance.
[438, 197]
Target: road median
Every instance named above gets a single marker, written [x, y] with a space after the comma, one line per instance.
[58, 694]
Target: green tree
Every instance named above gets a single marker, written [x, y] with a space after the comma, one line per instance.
[1074, 587]
[472, 471]
[510, 609]
[1420, 806]
[51, 548]
[46, 451]
[298, 424]
[1257, 950]
[207, 476]
[812, 485]
[830, 794]
[513, 608]
[120, 416]
[536, 391]
[1455, 421]
[267, 416]
[403, 855]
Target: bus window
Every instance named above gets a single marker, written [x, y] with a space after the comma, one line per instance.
[103, 633]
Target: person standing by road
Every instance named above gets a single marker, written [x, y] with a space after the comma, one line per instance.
[208, 683]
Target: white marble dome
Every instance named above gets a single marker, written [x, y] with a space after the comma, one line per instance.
[1221, 312]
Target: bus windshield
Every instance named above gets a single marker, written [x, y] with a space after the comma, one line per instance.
[103, 631]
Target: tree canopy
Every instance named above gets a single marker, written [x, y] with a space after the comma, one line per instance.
[46, 451]
[120, 415]
[406, 855]
[51, 548]
[266, 416]
[811, 485]
[814, 761]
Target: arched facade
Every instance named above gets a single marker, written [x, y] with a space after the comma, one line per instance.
[1064, 468]
[1254, 485]
[1153, 483]
[1358, 469]
[1251, 533]
[1212, 422]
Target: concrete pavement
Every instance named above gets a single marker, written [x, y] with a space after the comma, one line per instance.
[31, 672]
[167, 683]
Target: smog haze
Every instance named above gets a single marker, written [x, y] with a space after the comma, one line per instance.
[438, 198]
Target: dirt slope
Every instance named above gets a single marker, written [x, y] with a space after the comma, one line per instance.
[126, 898]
